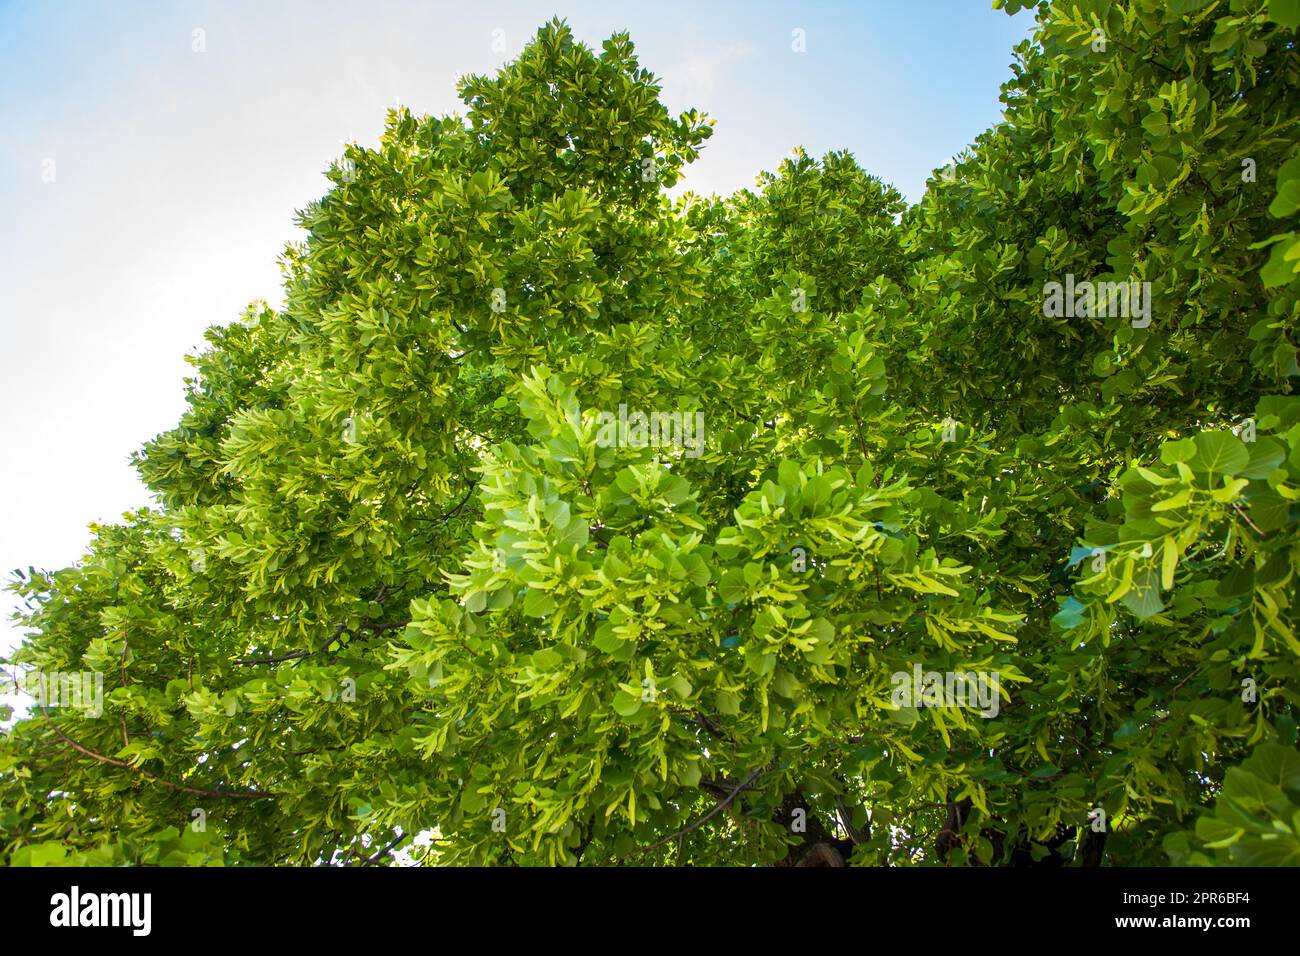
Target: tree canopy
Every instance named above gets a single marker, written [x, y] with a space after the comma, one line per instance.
[407, 594]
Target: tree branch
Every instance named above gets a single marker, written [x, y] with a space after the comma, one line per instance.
[296, 655]
[721, 805]
[384, 852]
[200, 791]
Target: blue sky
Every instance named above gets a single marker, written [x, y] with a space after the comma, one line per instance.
[146, 188]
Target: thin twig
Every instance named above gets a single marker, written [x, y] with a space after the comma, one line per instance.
[721, 805]
[296, 655]
[384, 852]
[235, 794]
[1246, 518]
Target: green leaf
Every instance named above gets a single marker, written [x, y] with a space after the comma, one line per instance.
[1220, 453]
[626, 705]
[1285, 13]
[1144, 597]
[538, 603]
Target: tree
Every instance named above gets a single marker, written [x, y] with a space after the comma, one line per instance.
[954, 572]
